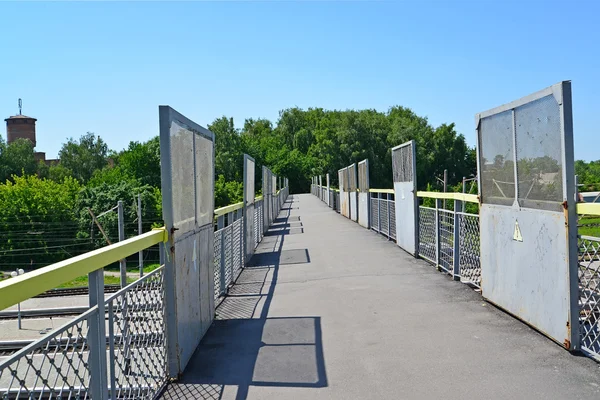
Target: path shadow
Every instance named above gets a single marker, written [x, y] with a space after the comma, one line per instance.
[244, 347]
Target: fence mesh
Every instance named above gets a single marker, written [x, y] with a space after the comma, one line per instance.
[137, 341]
[427, 234]
[470, 267]
[446, 228]
[589, 294]
[237, 251]
[217, 270]
[375, 214]
[392, 204]
[384, 217]
[402, 164]
[54, 367]
[58, 365]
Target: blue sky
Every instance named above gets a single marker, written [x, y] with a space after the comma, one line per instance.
[105, 67]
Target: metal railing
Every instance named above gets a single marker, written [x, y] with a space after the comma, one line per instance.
[589, 295]
[450, 240]
[118, 347]
[383, 212]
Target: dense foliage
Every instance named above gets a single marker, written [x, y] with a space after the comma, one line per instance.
[44, 209]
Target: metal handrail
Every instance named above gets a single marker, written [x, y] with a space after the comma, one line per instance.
[23, 287]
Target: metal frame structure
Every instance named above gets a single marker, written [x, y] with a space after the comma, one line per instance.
[363, 205]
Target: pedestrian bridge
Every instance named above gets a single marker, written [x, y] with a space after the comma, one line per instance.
[345, 293]
[330, 310]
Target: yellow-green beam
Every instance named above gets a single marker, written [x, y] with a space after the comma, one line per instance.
[228, 209]
[23, 287]
[588, 208]
[382, 191]
[471, 198]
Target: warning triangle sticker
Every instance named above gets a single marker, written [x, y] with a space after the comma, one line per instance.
[517, 235]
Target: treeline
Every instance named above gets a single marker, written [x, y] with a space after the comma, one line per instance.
[45, 209]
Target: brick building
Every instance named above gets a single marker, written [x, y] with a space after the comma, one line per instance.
[23, 127]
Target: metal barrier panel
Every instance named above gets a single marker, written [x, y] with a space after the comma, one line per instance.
[589, 295]
[266, 191]
[187, 170]
[470, 266]
[328, 190]
[405, 197]
[528, 214]
[343, 208]
[249, 198]
[363, 193]
[352, 192]
[274, 199]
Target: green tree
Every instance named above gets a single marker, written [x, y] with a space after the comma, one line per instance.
[84, 156]
[38, 222]
[141, 161]
[16, 159]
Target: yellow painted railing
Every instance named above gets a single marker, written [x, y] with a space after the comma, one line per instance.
[471, 198]
[228, 209]
[23, 287]
[233, 207]
[382, 191]
[588, 208]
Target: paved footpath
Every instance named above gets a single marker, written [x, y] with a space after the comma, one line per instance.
[330, 310]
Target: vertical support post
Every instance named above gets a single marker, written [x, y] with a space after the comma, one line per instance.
[96, 336]
[464, 183]
[445, 185]
[222, 264]
[438, 203]
[378, 212]
[139, 216]
[456, 251]
[122, 263]
[388, 215]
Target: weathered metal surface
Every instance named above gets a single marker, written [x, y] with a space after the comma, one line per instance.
[352, 192]
[528, 214]
[249, 199]
[527, 278]
[363, 193]
[187, 170]
[405, 198]
[344, 198]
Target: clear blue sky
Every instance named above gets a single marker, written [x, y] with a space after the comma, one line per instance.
[105, 67]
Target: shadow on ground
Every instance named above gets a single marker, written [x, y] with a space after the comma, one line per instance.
[246, 348]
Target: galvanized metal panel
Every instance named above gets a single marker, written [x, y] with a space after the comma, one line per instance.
[527, 278]
[528, 240]
[405, 196]
[363, 193]
[344, 198]
[352, 193]
[249, 198]
[187, 175]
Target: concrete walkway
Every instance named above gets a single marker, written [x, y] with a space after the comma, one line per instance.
[330, 310]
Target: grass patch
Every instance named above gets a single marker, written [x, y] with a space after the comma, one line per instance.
[82, 281]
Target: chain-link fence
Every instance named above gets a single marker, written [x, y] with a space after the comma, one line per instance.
[446, 238]
[470, 266]
[589, 295]
[59, 365]
[427, 234]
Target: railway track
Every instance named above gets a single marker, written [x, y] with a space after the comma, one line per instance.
[77, 291]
